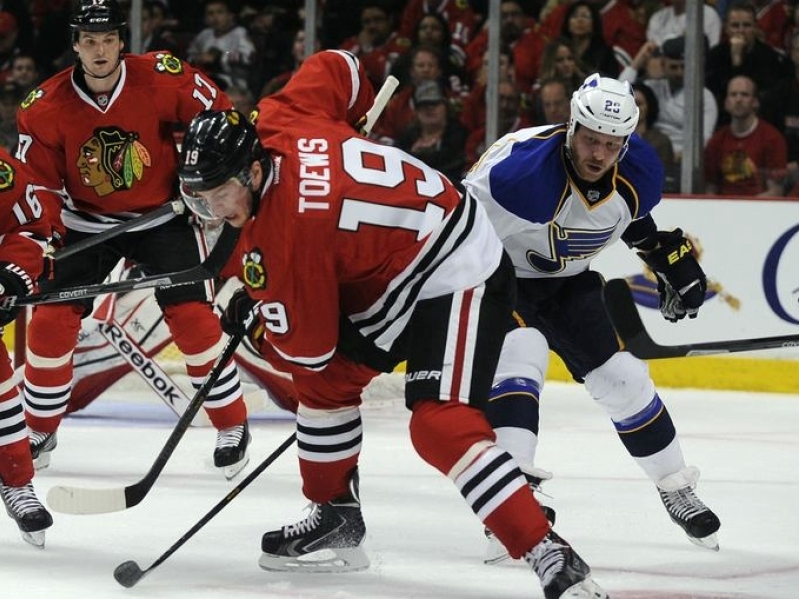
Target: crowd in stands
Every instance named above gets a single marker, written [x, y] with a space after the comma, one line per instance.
[438, 50]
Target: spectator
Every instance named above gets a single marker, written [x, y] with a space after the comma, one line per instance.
[670, 94]
[648, 112]
[559, 62]
[473, 115]
[435, 137]
[461, 18]
[742, 53]
[624, 28]
[297, 58]
[669, 22]
[273, 33]
[748, 157]
[399, 113]
[511, 118]
[780, 107]
[773, 20]
[223, 49]
[554, 99]
[432, 31]
[583, 26]
[8, 43]
[154, 35]
[377, 44]
[20, 10]
[10, 97]
[25, 72]
[519, 33]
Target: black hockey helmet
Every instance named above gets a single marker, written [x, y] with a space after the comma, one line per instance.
[218, 146]
[98, 16]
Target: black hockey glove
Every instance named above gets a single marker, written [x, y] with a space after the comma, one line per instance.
[241, 316]
[13, 281]
[681, 281]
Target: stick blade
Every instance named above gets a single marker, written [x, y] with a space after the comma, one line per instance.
[128, 573]
[74, 500]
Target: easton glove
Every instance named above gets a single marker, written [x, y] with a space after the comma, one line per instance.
[241, 316]
[13, 281]
[681, 281]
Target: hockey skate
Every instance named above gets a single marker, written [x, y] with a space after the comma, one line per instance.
[563, 573]
[330, 539]
[28, 512]
[495, 551]
[42, 446]
[687, 510]
[231, 455]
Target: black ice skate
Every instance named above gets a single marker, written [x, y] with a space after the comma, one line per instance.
[231, 455]
[27, 511]
[687, 510]
[563, 573]
[330, 539]
[42, 445]
[495, 551]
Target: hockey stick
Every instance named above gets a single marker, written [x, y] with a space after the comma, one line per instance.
[381, 99]
[76, 500]
[173, 207]
[624, 315]
[209, 269]
[129, 573]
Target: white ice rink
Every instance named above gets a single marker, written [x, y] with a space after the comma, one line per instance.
[421, 538]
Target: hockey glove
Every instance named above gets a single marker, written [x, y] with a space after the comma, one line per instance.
[681, 281]
[13, 281]
[241, 317]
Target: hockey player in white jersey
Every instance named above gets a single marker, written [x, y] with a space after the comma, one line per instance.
[558, 196]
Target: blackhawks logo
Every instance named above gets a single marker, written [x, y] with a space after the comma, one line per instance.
[111, 160]
[253, 271]
[31, 98]
[168, 64]
[7, 176]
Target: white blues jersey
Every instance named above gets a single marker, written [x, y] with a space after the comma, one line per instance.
[551, 222]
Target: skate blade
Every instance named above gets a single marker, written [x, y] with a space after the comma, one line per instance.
[325, 561]
[233, 470]
[495, 552]
[42, 461]
[35, 538]
[709, 542]
[585, 589]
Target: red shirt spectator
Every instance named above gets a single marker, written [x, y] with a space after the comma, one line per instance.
[460, 16]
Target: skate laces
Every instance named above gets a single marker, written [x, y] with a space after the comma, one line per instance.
[307, 524]
[548, 559]
[229, 437]
[683, 503]
[37, 439]
[21, 500]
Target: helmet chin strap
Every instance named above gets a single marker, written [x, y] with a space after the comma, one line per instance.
[93, 76]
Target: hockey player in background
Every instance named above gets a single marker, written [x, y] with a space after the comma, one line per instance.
[354, 256]
[25, 228]
[103, 130]
[557, 196]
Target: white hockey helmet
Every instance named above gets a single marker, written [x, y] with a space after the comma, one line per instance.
[604, 105]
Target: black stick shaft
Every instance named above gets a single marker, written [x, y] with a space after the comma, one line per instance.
[130, 575]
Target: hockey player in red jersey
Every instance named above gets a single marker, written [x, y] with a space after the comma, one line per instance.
[355, 256]
[25, 228]
[104, 131]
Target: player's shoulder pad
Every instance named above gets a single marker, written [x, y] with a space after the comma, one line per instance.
[530, 181]
[641, 177]
[38, 99]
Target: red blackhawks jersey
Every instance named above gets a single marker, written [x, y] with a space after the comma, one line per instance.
[348, 226]
[25, 223]
[114, 154]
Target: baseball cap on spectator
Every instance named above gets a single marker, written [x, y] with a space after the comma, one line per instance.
[8, 23]
[428, 93]
[674, 47]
